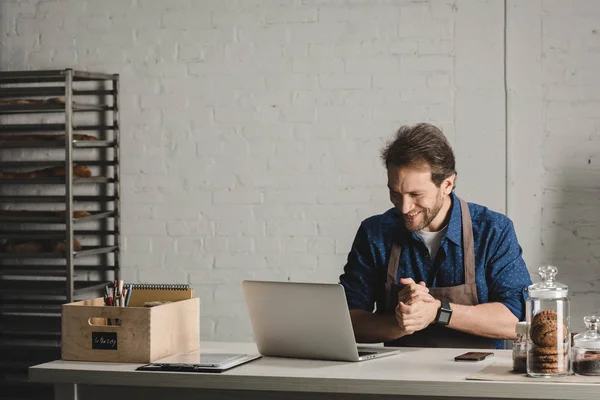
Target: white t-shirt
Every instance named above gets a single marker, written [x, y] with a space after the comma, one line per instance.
[432, 240]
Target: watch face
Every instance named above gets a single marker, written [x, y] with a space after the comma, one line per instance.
[444, 317]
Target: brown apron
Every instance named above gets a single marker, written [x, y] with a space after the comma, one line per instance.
[433, 335]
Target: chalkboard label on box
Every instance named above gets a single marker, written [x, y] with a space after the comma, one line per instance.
[104, 340]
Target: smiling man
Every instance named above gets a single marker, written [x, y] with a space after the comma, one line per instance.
[437, 271]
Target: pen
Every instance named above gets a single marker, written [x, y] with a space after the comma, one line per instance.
[128, 296]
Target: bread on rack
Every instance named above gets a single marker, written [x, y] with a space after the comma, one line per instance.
[81, 171]
[39, 246]
[41, 138]
[32, 213]
[76, 136]
[61, 246]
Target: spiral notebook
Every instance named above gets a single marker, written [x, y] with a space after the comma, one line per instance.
[149, 292]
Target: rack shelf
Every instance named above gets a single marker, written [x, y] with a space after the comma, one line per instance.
[51, 108]
[56, 219]
[20, 128]
[84, 252]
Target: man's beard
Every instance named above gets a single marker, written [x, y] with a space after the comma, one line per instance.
[428, 215]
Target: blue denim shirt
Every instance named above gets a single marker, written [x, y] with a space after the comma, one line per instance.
[500, 271]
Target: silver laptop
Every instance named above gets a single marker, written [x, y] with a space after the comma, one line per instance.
[304, 320]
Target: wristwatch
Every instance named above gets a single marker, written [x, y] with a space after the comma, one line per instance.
[444, 314]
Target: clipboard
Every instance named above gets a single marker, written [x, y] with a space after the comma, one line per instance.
[199, 362]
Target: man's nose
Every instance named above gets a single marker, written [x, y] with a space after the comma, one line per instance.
[407, 205]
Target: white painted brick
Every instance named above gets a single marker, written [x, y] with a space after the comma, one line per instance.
[240, 262]
[320, 245]
[291, 228]
[344, 81]
[296, 49]
[292, 81]
[94, 7]
[242, 245]
[227, 293]
[305, 98]
[415, 79]
[376, 97]
[143, 262]
[383, 47]
[137, 244]
[315, 33]
[349, 196]
[182, 20]
[190, 228]
[413, 28]
[162, 276]
[336, 229]
[294, 244]
[372, 65]
[328, 114]
[233, 228]
[428, 96]
[268, 245]
[356, 14]
[318, 65]
[230, 328]
[236, 114]
[188, 262]
[263, 34]
[162, 245]
[289, 15]
[436, 46]
[333, 262]
[289, 197]
[228, 18]
[427, 63]
[435, 79]
[216, 245]
[139, 226]
[290, 262]
[238, 196]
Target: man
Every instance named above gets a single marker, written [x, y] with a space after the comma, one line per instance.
[441, 273]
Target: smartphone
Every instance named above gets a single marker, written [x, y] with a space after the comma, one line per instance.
[473, 356]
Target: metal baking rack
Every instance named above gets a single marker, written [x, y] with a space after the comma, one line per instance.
[33, 286]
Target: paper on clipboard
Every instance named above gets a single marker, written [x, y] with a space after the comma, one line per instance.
[197, 361]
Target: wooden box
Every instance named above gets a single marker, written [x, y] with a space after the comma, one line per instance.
[94, 332]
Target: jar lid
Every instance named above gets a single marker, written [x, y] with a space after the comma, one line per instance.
[548, 288]
[521, 328]
[589, 339]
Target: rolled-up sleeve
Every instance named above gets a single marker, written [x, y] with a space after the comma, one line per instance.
[507, 275]
[358, 278]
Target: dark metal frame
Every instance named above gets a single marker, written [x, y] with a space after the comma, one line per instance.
[41, 300]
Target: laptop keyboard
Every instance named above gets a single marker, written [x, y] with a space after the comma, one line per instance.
[365, 353]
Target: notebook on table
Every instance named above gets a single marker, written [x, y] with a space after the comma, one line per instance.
[304, 320]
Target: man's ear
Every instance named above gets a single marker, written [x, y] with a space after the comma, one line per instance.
[448, 184]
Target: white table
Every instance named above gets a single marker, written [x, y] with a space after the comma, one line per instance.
[414, 373]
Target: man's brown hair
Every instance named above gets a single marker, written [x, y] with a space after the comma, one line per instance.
[419, 144]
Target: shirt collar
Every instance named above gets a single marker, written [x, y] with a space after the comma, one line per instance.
[454, 232]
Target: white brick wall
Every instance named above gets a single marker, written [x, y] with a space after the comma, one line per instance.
[570, 147]
[251, 129]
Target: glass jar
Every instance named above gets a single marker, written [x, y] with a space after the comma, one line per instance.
[519, 350]
[586, 348]
[548, 338]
